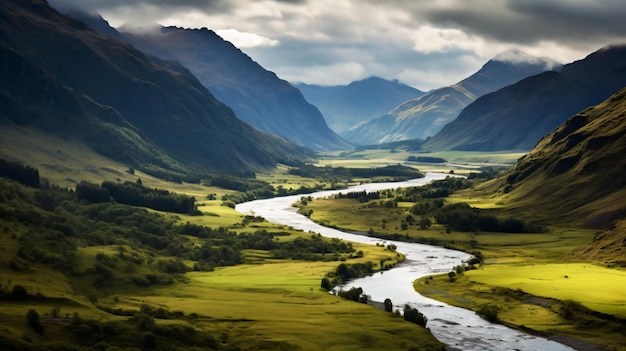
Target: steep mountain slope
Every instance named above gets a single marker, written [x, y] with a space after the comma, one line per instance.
[256, 95]
[345, 106]
[424, 116]
[575, 174]
[61, 76]
[517, 116]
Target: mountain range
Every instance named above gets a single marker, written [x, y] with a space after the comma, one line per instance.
[257, 96]
[424, 116]
[61, 76]
[345, 106]
[519, 115]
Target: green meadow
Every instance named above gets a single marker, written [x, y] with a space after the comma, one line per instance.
[117, 294]
[535, 280]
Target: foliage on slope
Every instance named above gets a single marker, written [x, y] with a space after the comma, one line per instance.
[60, 76]
[575, 175]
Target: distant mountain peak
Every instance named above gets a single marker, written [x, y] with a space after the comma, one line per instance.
[516, 56]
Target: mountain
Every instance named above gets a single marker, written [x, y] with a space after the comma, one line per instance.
[575, 175]
[61, 76]
[517, 116]
[344, 106]
[424, 116]
[257, 96]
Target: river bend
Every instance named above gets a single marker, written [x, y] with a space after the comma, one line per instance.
[456, 327]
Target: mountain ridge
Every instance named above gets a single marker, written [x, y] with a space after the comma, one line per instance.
[257, 96]
[424, 116]
[125, 104]
[573, 174]
[517, 116]
[344, 106]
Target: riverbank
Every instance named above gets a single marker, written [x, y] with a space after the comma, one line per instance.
[458, 328]
[567, 322]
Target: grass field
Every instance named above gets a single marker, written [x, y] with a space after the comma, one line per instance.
[598, 288]
[281, 304]
[461, 162]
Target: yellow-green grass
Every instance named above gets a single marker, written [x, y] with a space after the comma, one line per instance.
[280, 177]
[462, 162]
[598, 288]
[349, 214]
[281, 303]
[519, 310]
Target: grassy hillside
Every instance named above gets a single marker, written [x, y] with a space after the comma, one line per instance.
[60, 76]
[575, 175]
[96, 276]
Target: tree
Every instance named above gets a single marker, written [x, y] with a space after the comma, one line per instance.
[19, 292]
[148, 340]
[326, 284]
[32, 319]
[425, 223]
[388, 305]
[414, 316]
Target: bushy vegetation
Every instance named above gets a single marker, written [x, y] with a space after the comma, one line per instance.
[463, 217]
[136, 194]
[396, 172]
[59, 223]
[14, 170]
[427, 159]
[422, 208]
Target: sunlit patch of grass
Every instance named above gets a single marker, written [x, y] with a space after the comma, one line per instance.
[283, 302]
[599, 288]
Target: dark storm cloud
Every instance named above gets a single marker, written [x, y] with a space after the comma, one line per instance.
[529, 21]
[426, 43]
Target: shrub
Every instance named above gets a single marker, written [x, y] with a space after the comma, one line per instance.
[489, 312]
[19, 292]
[148, 340]
[414, 316]
[32, 319]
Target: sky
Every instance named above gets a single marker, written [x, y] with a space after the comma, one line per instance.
[423, 43]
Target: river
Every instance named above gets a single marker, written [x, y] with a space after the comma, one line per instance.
[456, 327]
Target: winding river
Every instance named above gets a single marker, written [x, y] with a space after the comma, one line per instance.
[458, 328]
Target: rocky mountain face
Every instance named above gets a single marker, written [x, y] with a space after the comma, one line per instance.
[519, 115]
[61, 76]
[257, 96]
[345, 106]
[424, 116]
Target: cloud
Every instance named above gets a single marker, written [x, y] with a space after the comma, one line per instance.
[425, 43]
[244, 39]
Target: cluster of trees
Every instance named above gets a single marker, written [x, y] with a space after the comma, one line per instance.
[396, 172]
[437, 189]
[344, 272]
[362, 196]
[14, 170]
[136, 194]
[427, 159]
[463, 217]
[354, 294]
[50, 223]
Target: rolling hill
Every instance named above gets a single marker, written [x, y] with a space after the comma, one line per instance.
[575, 175]
[517, 116]
[345, 106]
[424, 116]
[60, 76]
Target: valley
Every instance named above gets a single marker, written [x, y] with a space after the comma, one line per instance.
[161, 188]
